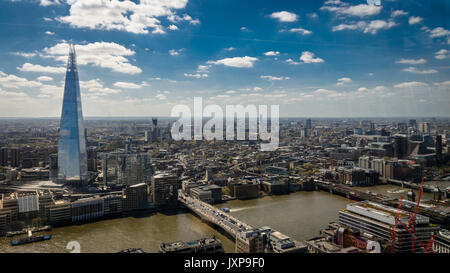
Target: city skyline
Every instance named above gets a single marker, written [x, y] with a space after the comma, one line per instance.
[323, 59]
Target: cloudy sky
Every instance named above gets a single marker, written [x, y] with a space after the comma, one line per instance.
[313, 58]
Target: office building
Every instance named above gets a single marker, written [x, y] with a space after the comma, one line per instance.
[127, 168]
[244, 189]
[28, 204]
[441, 242]
[92, 159]
[112, 204]
[60, 213]
[379, 220]
[134, 196]
[438, 147]
[72, 158]
[424, 128]
[400, 146]
[86, 209]
[252, 241]
[15, 157]
[3, 156]
[308, 124]
[165, 189]
[45, 200]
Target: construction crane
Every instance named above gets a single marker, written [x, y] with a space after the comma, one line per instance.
[411, 226]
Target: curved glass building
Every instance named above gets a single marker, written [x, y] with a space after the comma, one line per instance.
[72, 158]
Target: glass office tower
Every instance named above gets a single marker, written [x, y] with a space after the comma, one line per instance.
[72, 159]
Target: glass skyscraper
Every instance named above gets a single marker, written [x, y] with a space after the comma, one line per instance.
[72, 158]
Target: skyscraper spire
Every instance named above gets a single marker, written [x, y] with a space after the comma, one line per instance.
[72, 158]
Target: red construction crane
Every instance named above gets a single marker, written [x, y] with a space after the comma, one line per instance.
[411, 226]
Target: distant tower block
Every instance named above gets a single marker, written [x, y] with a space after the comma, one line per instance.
[308, 124]
[155, 121]
[72, 157]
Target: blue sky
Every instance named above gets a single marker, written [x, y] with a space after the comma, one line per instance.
[313, 58]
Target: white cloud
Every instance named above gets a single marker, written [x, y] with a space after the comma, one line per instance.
[129, 85]
[12, 96]
[439, 32]
[360, 25]
[230, 48]
[256, 88]
[46, 3]
[362, 89]
[323, 91]
[174, 52]
[342, 81]
[24, 54]
[44, 79]
[161, 97]
[309, 57]
[203, 68]
[101, 54]
[301, 31]
[241, 62]
[173, 27]
[126, 15]
[292, 62]
[366, 27]
[15, 82]
[414, 20]
[96, 88]
[175, 18]
[197, 75]
[411, 61]
[414, 70]
[27, 67]
[397, 13]
[49, 33]
[272, 53]
[412, 84]
[442, 54]
[245, 29]
[284, 16]
[344, 9]
[273, 78]
[230, 92]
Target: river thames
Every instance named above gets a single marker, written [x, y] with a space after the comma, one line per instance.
[300, 215]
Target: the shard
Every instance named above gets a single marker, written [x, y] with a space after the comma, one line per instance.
[72, 158]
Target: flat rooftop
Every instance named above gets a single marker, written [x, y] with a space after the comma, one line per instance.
[383, 213]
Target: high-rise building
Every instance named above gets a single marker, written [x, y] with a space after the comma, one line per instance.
[400, 146]
[438, 147]
[126, 168]
[14, 157]
[165, 189]
[72, 159]
[308, 124]
[3, 156]
[424, 128]
[92, 159]
[134, 196]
